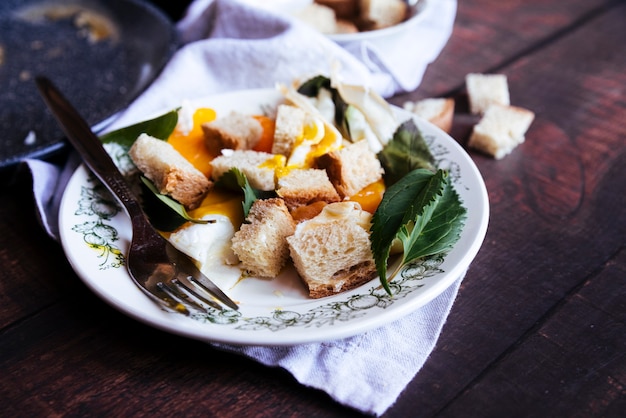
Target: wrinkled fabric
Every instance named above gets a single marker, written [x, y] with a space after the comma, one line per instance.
[368, 371]
[231, 46]
[228, 45]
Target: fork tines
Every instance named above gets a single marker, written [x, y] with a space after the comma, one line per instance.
[186, 294]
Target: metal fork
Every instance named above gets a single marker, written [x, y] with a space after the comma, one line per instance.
[160, 270]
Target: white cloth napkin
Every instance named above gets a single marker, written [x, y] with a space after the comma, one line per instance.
[230, 46]
[368, 371]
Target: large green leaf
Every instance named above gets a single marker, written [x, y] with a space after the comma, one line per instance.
[443, 230]
[236, 180]
[160, 127]
[423, 211]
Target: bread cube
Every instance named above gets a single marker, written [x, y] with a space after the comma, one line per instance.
[302, 187]
[258, 167]
[437, 110]
[501, 129]
[331, 251]
[351, 168]
[234, 131]
[170, 172]
[260, 244]
[484, 90]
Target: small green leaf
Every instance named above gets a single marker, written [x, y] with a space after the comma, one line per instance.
[160, 127]
[234, 179]
[406, 152]
[178, 209]
[312, 87]
[424, 212]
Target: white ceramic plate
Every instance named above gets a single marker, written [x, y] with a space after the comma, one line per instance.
[95, 233]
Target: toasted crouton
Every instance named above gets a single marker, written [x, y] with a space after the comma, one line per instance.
[290, 122]
[501, 129]
[258, 167]
[319, 17]
[381, 14]
[170, 172]
[344, 9]
[351, 168]
[331, 252]
[301, 187]
[261, 243]
[439, 111]
[234, 131]
[484, 90]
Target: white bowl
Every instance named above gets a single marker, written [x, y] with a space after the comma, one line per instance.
[387, 34]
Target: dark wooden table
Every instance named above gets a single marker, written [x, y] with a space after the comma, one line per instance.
[537, 328]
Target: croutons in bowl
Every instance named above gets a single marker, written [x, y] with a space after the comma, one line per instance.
[348, 21]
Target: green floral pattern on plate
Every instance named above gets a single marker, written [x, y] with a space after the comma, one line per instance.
[332, 312]
[97, 202]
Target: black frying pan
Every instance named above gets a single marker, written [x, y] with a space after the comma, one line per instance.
[101, 53]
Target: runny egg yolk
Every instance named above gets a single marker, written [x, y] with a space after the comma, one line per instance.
[370, 196]
[275, 162]
[191, 145]
[317, 138]
[330, 142]
[267, 137]
[221, 202]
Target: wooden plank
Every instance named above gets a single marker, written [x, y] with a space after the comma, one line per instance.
[26, 286]
[488, 34]
[557, 209]
[83, 358]
[573, 364]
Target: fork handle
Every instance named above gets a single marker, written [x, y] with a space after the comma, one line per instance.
[88, 146]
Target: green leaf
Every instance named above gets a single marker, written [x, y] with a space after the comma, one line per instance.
[312, 87]
[160, 127]
[424, 212]
[407, 151]
[234, 179]
[177, 208]
[389, 217]
[443, 230]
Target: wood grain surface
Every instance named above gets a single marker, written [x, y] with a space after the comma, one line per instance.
[538, 325]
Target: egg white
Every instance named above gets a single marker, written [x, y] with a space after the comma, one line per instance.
[209, 245]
